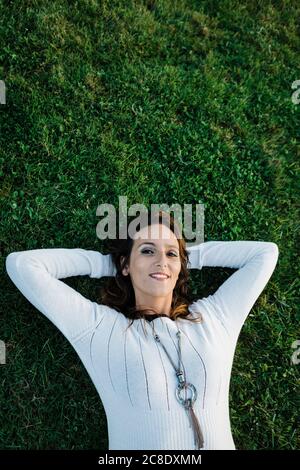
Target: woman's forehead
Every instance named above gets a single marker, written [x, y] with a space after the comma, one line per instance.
[156, 233]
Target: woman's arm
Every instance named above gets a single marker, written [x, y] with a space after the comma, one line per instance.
[36, 274]
[234, 299]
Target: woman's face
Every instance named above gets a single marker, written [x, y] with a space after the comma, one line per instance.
[155, 249]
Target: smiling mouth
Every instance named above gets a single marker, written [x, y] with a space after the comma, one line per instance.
[158, 277]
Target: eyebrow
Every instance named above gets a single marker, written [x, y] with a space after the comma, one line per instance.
[151, 243]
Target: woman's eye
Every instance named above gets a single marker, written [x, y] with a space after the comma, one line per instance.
[144, 251]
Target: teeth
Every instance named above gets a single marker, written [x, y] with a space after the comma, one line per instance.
[160, 276]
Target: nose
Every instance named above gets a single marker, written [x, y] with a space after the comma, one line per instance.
[161, 260]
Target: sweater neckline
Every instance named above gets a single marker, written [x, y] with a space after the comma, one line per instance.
[149, 318]
[155, 316]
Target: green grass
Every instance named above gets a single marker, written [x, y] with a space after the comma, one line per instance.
[160, 101]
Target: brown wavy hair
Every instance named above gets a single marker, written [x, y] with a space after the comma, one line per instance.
[118, 292]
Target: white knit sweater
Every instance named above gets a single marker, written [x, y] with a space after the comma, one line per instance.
[131, 372]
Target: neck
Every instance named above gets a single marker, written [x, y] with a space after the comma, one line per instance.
[160, 306]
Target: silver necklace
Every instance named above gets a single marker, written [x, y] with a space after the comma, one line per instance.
[182, 387]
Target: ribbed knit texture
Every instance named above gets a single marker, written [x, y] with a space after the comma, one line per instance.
[131, 372]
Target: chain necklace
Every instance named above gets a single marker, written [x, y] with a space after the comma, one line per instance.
[183, 386]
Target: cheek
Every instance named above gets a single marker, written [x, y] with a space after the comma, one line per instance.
[177, 269]
[139, 270]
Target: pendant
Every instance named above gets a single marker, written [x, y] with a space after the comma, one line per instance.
[186, 402]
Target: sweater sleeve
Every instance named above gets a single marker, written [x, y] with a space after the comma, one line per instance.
[36, 274]
[255, 262]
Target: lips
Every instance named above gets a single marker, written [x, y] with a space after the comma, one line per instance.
[159, 276]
